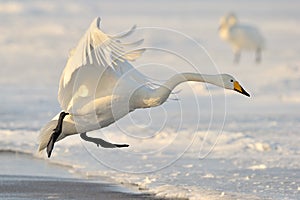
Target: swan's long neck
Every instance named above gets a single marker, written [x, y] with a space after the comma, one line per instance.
[155, 97]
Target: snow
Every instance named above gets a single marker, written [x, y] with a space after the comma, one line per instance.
[207, 144]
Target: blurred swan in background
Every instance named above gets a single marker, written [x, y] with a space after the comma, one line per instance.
[99, 86]
[241, 36]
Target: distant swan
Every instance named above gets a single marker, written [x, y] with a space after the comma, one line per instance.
[93, 94]
[241, 36]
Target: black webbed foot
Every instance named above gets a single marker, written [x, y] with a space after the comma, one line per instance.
[56, 133]
[258, 56]
[101, 142]
[50, 145]
[121, 145]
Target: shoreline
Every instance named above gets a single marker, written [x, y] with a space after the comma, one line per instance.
[23, 176]
[36, 188]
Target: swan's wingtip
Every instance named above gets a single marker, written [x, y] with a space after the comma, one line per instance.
[97, 18]
[97, 21]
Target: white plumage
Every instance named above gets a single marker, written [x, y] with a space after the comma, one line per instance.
[99, 86]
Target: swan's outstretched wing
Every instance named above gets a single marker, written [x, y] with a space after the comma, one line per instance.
[95, 51]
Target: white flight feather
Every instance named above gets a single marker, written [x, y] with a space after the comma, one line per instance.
[100, 50]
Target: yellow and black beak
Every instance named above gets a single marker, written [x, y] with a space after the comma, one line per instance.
[238, 88]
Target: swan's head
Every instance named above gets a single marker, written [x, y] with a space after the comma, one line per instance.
[228, 21]
[229, 82]
[231, 19]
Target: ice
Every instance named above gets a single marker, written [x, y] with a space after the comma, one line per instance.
[255, 167]
[207, 144]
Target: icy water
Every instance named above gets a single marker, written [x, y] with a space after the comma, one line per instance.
[209, 144]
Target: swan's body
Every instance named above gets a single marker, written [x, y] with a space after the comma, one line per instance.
[241, 36]
[99, 86]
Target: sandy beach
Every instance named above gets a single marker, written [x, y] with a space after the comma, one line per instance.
[15, 185]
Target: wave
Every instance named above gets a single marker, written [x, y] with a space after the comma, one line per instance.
[15, 151]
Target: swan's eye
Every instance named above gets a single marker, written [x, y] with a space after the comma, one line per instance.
[231, 80]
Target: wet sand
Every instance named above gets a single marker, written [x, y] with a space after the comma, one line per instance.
[36, 188]
[24, 177]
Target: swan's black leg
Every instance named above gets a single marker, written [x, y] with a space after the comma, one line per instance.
[56, 133]
[237, 56]
[101, 142]
[258, 55]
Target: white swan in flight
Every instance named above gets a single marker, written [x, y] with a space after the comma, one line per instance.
[241, 36]
[94, 91]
